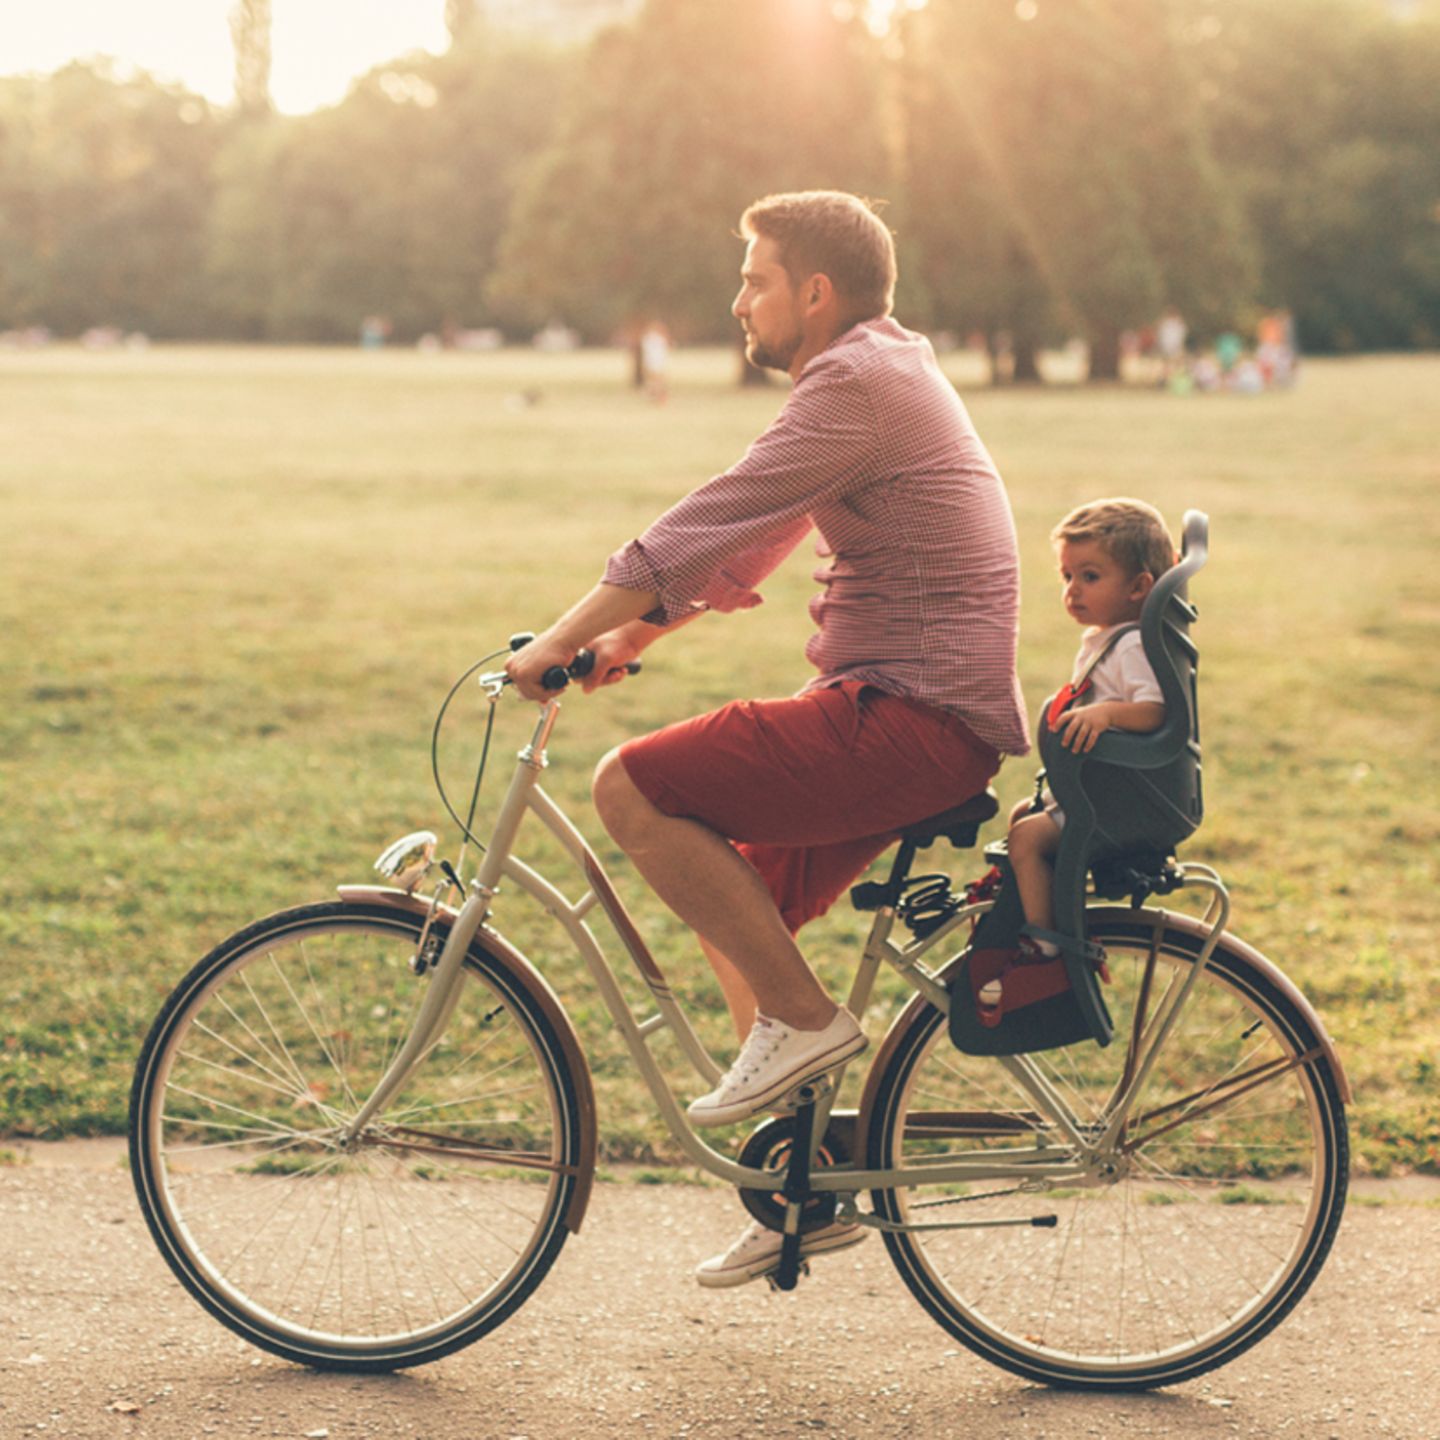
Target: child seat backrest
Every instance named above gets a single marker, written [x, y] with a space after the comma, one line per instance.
[1133, 798]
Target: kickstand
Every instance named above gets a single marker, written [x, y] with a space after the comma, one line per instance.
[796, 1191]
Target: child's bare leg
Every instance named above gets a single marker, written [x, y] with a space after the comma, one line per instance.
[1033, 840]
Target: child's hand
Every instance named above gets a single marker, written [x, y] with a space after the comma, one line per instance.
[1081, 727]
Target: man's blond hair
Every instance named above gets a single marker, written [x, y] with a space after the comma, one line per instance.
[830, 232]
[1130, 532]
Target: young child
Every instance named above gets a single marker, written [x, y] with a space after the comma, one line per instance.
[1111, 552]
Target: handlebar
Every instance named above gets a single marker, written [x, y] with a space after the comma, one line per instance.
[557, 677]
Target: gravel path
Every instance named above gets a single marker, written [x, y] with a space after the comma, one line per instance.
[97, 1339]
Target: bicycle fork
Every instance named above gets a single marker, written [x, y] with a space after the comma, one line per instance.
[443, 992]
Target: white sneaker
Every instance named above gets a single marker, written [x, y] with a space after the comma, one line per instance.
[757, 1253]
[773, 1060]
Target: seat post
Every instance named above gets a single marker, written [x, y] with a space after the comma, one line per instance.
[900, 871]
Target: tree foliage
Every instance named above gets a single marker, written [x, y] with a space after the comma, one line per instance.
[1053, 169]
[105, 191]
[1327, 118]
[1059, 181]
[677, 123]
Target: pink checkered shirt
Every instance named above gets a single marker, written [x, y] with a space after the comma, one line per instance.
[922, 583]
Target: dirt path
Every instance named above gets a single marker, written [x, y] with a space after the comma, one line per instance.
[97, 1339]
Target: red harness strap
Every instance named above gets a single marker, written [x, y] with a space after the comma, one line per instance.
[1072, 690]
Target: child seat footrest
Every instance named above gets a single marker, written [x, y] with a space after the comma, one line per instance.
[1010, 999]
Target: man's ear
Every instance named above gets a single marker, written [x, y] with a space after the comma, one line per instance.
[817, 293]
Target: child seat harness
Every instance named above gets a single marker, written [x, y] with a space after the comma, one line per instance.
[1072, 690]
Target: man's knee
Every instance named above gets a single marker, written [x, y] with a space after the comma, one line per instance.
[622, 808]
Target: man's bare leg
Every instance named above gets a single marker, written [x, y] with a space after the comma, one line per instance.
[739, 997]
[716, 892]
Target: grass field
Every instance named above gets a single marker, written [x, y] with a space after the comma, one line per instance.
[235, 585]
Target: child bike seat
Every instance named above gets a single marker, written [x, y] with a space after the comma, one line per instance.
[1128, 803]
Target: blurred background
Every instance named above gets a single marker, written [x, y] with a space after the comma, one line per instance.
[478, 170]
[318, 323]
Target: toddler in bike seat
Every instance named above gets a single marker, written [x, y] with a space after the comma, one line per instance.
[1110, 553]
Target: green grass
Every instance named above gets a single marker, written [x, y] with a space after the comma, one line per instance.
[235, 584]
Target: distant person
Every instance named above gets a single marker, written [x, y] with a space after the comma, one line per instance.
[655, 361]
[752, 820]
[1275, 348]
[1228, 350]
[1171, 333]
[1110, 552]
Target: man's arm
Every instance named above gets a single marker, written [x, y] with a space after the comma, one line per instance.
[610, 613]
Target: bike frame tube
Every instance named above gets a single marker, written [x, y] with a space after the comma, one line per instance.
[1167, 1013]
[525, 795]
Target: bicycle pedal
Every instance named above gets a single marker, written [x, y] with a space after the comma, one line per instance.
[810, 1093]
[774, 1283]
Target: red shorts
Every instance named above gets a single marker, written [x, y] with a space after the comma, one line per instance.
[813, 788]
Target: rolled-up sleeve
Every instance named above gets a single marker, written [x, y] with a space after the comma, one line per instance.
[712, 549]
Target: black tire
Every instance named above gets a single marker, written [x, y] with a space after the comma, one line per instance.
[1200, 1244]
[389, 1252]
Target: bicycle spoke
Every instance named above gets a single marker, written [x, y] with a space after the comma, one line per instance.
[1154, 1260]
[407, 1234]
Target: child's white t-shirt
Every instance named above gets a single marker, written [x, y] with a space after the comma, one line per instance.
[1124, 674]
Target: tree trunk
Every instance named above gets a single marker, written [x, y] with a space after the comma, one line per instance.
[1105, 356]
[250, 35]
[1027, 367]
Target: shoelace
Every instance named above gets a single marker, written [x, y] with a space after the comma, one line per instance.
[764, 1038]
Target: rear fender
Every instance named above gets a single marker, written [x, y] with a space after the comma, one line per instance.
[1171, 920]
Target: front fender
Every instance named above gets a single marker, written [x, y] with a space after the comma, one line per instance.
[549, 1005]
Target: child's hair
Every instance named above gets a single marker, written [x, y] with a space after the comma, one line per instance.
[1131, 532]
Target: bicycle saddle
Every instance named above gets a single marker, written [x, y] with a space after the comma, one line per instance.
[958, 825]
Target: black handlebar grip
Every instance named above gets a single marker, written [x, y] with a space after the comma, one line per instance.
[555, 678]
[581, 665]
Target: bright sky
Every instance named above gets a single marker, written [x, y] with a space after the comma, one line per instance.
[318, 46]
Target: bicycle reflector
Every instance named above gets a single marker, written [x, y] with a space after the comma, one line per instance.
[406, 862]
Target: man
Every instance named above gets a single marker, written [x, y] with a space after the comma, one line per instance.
[752, 820]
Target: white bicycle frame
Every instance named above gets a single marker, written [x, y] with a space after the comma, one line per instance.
[1035, 1167]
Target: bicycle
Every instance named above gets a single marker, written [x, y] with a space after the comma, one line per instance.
[362, 1130]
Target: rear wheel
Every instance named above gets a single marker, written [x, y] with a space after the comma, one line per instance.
[1227, 1189]
[394, 1247]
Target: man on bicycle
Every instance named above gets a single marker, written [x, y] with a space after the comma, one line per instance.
[750, 821]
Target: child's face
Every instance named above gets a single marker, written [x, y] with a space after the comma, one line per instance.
[1097, 591]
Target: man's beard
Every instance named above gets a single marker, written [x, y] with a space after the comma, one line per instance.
[770, 357]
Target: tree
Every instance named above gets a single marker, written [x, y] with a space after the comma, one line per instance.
[1328, 115]
[677, 123]
[250, 37]
[1058, 180]
[105, 185]
[390, 203]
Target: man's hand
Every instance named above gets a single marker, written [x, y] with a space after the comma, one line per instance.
[526, 666]
[613, 651]
[603, 613]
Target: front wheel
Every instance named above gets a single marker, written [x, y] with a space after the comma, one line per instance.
[1218, 1209]
[388, 1248]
